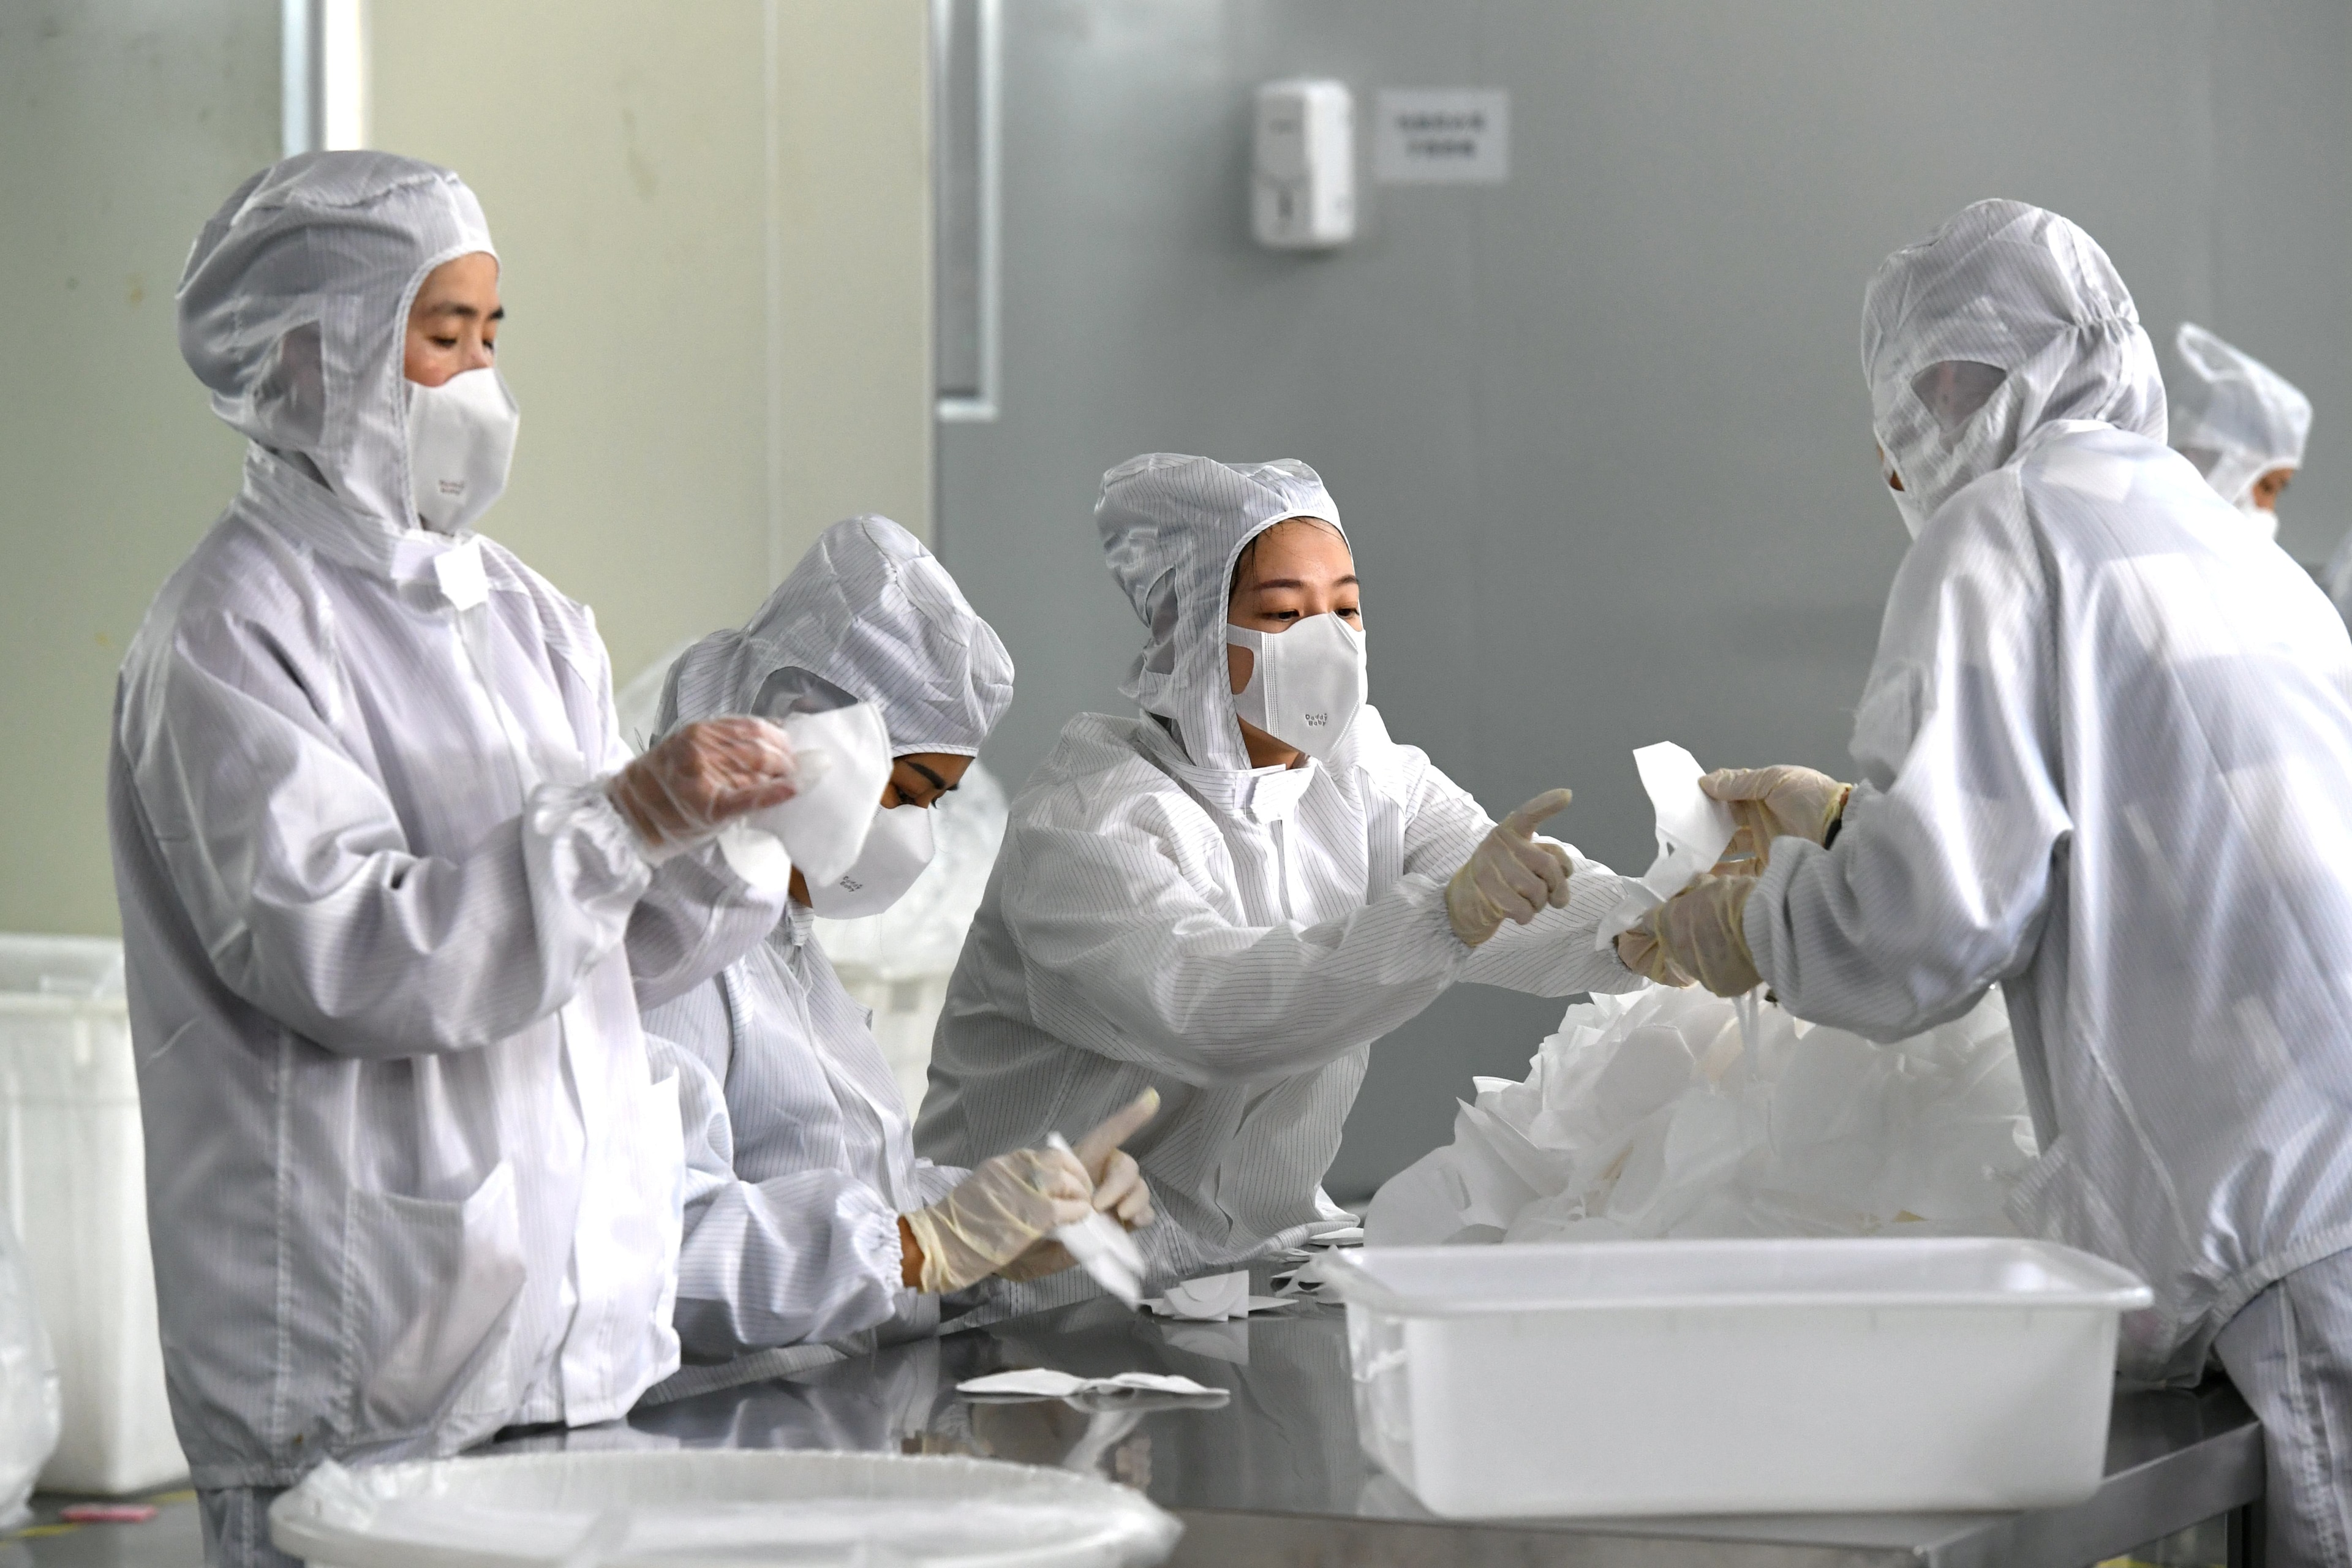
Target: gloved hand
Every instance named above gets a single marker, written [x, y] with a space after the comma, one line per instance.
[1698, 934]
[1119, 1191]
[700, 777]
[998, 1213]
[1773, 803]
[1509, 877]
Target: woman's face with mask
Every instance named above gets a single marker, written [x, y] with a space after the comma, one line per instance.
[453, 326]
[1299, 568]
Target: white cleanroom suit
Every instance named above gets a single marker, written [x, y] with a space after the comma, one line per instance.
[1162, 915]
[409, 1177]
[800, 1154]
[2250, 419]
[2107, 760]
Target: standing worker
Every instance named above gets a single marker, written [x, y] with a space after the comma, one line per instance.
[2248, 436]
[1226, 898]
[2106, 759]
[409, 1177]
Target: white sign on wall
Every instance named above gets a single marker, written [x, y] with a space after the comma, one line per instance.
[1436, 136]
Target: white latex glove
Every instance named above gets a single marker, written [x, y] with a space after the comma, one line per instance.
[1773, 803]
[999, 1212]
[1510, 877]
[700, 777]
[1698, 934]
[1119, 1185]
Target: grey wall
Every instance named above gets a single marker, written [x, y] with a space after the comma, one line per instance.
[122, 127]
[1598, 433]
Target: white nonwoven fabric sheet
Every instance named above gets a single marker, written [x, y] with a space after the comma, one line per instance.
[1653, 1115]
[1693, 831]
[843, 756]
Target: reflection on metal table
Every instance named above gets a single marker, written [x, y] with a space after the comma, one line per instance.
[1274, 1475]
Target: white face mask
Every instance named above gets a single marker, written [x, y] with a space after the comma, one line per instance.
[2260, 517]
[844, 760]
[1305, 682]
[898, 847]
[461, 440]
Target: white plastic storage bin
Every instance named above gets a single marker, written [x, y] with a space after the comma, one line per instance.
[73, 1175]
[1798, 1377]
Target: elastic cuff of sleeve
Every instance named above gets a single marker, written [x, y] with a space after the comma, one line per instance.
[602, 841]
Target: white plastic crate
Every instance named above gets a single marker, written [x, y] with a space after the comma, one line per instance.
[1663, 1377]
[73, 1175]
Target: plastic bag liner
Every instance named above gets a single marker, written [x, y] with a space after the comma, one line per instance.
[623, 1509]
[1648, 1114]
[28, 1385]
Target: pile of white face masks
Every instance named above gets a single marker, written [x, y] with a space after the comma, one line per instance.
[1650, 1115]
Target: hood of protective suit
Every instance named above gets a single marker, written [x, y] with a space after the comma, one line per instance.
[2251, 418]
[2003, 321]
[293, 311]
[871, 611]
[1172, 527]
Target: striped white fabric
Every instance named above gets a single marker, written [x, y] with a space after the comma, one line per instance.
[2106, 753]
[409, 1178]
[2248, 419]
[2006, 318]
[1235, 939]
[799, 1157]
[872, 612]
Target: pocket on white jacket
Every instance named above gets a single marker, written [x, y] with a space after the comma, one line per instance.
[428, 1302]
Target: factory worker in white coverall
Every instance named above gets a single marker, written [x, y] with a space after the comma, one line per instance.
[808, 1217]
[378, 847]
[1228, 896]
[2106, 759]
[2240, 422]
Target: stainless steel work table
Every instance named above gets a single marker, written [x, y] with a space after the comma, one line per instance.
[1274, 1476]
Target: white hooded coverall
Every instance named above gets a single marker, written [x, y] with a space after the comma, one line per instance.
[2250, 418]
[2107, 760]
[798, 1144]
[1163, 915]
[409, 1177]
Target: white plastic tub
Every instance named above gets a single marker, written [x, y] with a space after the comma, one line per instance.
[734, 1506]
[1648, 1377]
[72, 1174]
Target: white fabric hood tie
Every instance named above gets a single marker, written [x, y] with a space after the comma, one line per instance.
[2005, 319]
[1173, 526]
[2251, 418]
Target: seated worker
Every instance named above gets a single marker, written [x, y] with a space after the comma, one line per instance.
[808, 1217]
[1229, 897]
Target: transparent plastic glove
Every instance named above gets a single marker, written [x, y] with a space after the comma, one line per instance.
[1773, 803]
[1510, 877]
[1117, 1181]
[699, 778]
[1698, 934]
[999, 1212]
